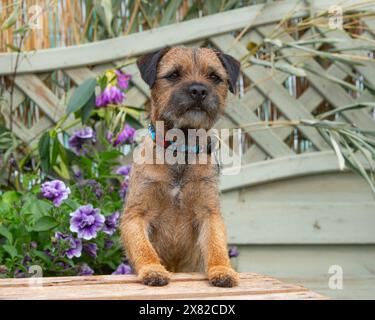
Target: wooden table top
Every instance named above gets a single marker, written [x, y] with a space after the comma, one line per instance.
[182, 286]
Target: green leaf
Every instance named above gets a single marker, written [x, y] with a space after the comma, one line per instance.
[11, 250]
[87, 108]
[36, 207]
[169, 14]
[12, 19]
[81, 95]
[72, 204]
[6, 233]
[110, 155]
[43, 257]
[45, 223]
[132, 121]
[55, 150]
[44, 151]
[11, 197]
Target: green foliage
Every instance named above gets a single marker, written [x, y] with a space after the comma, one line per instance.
[81, 96]
[30, 220]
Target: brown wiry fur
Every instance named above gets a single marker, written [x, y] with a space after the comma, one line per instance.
[172, 219]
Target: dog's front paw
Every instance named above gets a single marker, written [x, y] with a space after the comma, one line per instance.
[154, 275]
[221, 276]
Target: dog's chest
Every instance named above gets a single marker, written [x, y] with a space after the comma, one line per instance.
[179, 178]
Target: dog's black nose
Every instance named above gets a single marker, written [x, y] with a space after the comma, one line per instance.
[198, 91]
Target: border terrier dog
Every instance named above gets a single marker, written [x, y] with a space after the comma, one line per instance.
[172, 220]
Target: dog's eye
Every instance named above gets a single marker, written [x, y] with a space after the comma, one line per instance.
[173, 76]
[215, 78]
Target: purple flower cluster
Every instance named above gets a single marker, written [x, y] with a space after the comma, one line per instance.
[74, 245]
[110, 95]
[86, 221]
[113, 93]
[123, 79]
[56, 191]
[79, 138]
[126, 135]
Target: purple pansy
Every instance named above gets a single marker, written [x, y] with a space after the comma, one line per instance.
[75, 245]
[86, 221]
[85, 270]
[91, 249]
[233, 252]
[110, 95]
[56, 191]
[111, 222]
[79, 138]
[123, 79]
[123, 268]
[124, 170]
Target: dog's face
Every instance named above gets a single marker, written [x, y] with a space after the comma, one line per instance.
[188, 85]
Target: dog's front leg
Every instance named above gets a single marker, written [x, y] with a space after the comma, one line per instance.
[213, 243]
[140, 251]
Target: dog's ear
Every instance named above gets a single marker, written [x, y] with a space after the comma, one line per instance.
[148, 64]
[233, 68]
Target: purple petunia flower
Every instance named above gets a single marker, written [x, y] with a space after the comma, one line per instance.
[123, 79]
[126, 135]
[86, 221]
[124, 170]
[233, 252]
[85, 270]
[91, 249]
[75, 245]
[111, 222]
[123, 268]
[56, 191]
[79, 138]
[110, 95]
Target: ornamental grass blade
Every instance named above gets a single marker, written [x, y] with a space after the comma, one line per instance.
[353, 106]
[281, 66]
[336, 148]
[357, 166]
[332, 78]
[366, 153]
